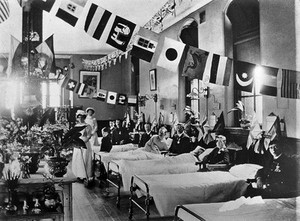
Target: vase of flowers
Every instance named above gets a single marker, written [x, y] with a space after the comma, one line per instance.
[244, 121]
[58, 147]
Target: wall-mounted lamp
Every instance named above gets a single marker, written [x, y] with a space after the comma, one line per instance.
[195, 93]
[143, 98]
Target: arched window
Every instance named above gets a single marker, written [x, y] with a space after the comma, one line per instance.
[244, 18]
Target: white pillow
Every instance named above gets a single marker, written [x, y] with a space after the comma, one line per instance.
[245, 171]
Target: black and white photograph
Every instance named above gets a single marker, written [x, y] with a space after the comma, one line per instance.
[163, 110]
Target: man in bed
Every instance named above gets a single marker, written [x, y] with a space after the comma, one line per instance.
[278, 178]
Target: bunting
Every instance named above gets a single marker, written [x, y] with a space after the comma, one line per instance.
[4, 10]
[15, 53]
[144, 44]
[290, 85]
[194, 62]
[268, 79]
[244, 76]
[120, 33]
[70, 11]
[46, 49]
[171, 54]
[96, 21]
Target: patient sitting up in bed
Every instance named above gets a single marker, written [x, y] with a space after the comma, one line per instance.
[106, 144]
[278, 178]
[181, 141]
[157, 143]
[217, 155]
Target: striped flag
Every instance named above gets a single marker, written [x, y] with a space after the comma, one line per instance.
[96, 21]
[171, 54]
[14, 54]
[70, 10]
[220, 69]
[144, 44]
[268, 79]
[132, 100]
[101, 95]
[47, 49]
[81, 88]
[290, 84]
[194, 62]
[4, 10]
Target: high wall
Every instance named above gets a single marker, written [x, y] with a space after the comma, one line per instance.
[279, 33]
[277, 46]
[170, 85]
[117, 78]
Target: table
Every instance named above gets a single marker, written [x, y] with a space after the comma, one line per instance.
[36, 181]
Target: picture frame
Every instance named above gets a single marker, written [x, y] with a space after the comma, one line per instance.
[92, 79]
[153, 80]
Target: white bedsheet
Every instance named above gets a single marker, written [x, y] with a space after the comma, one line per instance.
[272, 209]
[171, 190]
[184, 163]
[138, 154]
[116, 148]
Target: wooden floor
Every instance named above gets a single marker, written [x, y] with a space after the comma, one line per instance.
[95, 204]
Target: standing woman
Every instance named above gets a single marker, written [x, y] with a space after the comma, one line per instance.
[82, 157]
[92, 121]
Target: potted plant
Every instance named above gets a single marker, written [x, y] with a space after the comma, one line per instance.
[244, 121]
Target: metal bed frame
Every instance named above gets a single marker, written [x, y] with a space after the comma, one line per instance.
[176, 218]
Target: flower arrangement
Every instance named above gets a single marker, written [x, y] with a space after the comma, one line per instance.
[240, 107]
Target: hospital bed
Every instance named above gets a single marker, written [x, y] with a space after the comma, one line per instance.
[241, 210]
[169, 190]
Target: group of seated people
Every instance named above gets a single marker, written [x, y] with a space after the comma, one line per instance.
[161, 142]
[277, 178]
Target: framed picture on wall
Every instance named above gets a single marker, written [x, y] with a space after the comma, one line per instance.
[152, 80]
[92, 80]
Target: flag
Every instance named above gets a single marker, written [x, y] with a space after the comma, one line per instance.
[290, 85]
[70, 84]
[101, 95]
[171, 54]
[144, 44]
[81, 88]
[220, 125]
[14, 56]
[122, 98]
[46, 48]
[45, 5]
[194, 61]
[111, 97]
[132, 100]
[220, 70]
[70, 10]
[273, 129]
[268, 79]
[90, 92]
[120, 33]
[244, 76]
[4, 10]
[96, 21]
[254, 132]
